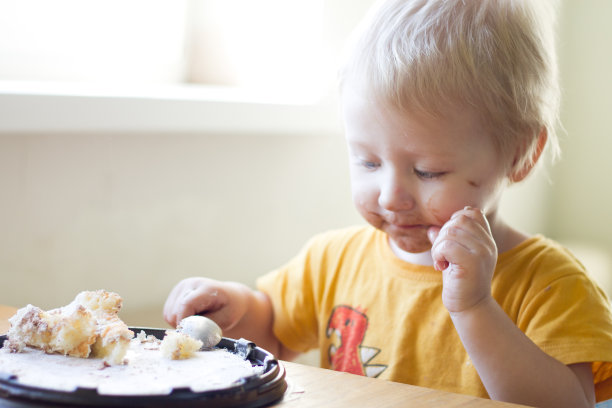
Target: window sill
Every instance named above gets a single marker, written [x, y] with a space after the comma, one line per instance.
[39, 107]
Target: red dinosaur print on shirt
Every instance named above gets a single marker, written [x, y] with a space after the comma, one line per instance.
[350, 325]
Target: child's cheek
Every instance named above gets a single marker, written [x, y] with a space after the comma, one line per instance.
[439, 208]
[441, 205]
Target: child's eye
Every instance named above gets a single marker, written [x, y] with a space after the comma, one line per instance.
[427, 175]
[369, 164]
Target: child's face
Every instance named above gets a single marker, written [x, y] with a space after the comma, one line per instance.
[411, 172]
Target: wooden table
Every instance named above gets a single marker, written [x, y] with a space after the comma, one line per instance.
[317, 387]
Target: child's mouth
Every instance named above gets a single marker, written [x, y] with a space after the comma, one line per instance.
[408, 227]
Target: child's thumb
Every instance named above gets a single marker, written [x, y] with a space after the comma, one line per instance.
[432, 233]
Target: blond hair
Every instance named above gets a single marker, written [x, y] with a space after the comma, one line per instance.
[496, 57]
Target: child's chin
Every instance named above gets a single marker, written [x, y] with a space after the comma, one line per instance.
[412, 245]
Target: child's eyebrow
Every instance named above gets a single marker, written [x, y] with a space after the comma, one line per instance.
[358, 144]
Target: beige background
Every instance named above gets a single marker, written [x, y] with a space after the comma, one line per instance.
[134, 211]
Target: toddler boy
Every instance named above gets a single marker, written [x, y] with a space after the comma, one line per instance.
[445, 104]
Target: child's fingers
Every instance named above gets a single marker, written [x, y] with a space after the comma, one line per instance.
[201, 300]
[465, 224]
[471, 213]
[457, 249]
[439, 262]
[432, 233]
[192, 296]
[465, 234]
[170, 312]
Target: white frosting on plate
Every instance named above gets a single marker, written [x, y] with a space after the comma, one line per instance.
[146, 373]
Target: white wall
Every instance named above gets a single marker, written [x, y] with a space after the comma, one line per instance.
[582, 199]
[578, 210]
[136, 213]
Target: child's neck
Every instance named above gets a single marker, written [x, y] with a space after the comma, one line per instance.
[422, 258]
[506, 237]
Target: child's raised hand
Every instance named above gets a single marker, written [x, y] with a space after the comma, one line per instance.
[464, 250]
[222, 302]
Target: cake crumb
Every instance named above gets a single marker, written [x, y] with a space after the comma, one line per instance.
[178, 346]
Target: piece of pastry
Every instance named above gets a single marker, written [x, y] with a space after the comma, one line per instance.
[88, 326]
[112, 334]
[69, 331]
[177, 346]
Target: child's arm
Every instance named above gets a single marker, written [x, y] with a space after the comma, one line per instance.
[236, 308]
[511, 367]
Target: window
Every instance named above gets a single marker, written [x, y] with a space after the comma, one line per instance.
[173, 65]
[274, 47]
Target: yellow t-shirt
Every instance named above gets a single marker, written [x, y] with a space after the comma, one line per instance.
[371, 313]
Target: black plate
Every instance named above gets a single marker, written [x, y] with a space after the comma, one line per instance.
[254, 391]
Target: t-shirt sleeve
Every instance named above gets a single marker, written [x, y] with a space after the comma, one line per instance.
[569, 318]
[291, 290]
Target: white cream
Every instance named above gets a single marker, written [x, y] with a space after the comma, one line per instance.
[146, 373]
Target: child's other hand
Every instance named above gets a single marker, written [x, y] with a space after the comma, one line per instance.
[464, 250]
[223, 302]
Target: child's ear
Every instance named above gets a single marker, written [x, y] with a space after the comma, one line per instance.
[519, 174]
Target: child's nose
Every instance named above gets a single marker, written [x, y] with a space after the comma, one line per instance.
[396, 192]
